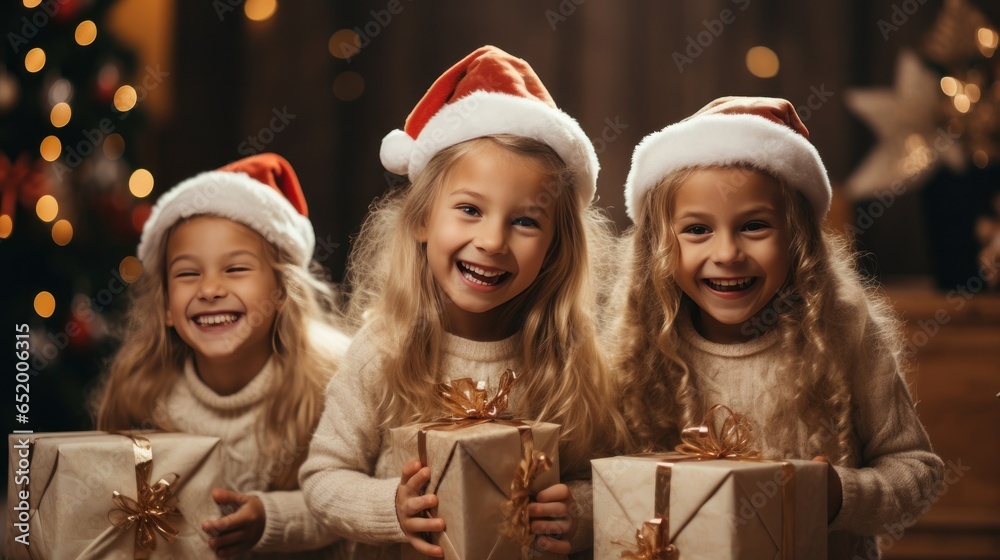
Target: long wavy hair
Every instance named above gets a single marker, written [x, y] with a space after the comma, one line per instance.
[151, 359]
[564, 378]
[832, 315]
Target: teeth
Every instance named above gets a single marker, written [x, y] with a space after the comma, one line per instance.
[731, 284]
[220, 319]
[473, 279]
[480, 271]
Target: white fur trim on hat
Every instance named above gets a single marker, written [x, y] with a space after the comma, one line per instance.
[484, 113]
[235, 196]
[725, 140]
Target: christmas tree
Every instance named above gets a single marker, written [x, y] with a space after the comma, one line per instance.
[72, 201]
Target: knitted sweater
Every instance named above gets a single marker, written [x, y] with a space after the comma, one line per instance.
[896, 477]
[351, 475]
[195, 408]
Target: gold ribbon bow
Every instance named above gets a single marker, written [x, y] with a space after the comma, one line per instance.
[733, 440]
[647, 543]
[153, 505]
[516, 524]
[465, 400]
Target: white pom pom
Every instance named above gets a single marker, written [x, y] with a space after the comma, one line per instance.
[397, 146]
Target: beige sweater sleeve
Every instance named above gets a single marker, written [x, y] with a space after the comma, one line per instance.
[900, 476]
[337, 477]
[289, 525]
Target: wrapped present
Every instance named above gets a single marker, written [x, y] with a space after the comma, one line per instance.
[103, 495]
[484, 468]
[713, 498]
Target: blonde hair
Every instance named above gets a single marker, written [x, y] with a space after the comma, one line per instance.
[392, 285]
[151, 358]
[831, 316]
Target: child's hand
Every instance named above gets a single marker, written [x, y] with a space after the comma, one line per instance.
[409, 505]
[778, 110]
[239, 531]
[553, 518]
[834, 490]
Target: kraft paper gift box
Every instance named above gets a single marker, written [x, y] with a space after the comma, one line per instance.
[69, 479]
[472, 468]
[717, 508]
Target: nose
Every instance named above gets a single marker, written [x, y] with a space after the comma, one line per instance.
[491, 237]
[726, 250]
[211, 287]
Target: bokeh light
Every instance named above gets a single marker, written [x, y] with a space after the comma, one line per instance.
[344, 44]
[130, 269]
[6, 226]
[125, 98]
[86, 32]
[762, 62]
[34, 60]
[348, 86]
[260, 10]
[62, 232]
[140, 184]
[51, 148]
[45, 304]
[47, 208]
[61, 114]
[114, 146]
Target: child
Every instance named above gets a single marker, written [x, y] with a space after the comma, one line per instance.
[230, 335]
[480, 264]
[737, 293]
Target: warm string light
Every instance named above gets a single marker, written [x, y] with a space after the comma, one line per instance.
[47, 208]
[50, 148]
[61, 114]
[344, 44]
[34, 60]
[125, 98]
[45, 304]
[260, 10]
[62, 232]
[6, 226]
[140, 183]
[762, 62]
[85, 33]
[130, 269]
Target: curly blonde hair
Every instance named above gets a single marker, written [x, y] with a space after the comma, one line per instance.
[831, 315]
[392, 285]
[151, 359]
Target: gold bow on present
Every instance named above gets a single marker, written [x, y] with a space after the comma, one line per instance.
[733, 440]
[516, 524]
[153, 505]
[465, 400]
[647, 543]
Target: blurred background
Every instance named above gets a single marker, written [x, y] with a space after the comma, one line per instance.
[106, 104]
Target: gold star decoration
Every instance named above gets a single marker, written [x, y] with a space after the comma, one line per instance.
[908, 123]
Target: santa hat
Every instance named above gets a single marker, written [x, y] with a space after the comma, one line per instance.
[720, 140]
[489, 92]
[260, 192]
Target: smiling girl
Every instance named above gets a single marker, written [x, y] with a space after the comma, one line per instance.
[230, 335]
[479, 265]
[738, 294]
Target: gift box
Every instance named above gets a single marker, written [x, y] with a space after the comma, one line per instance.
[715, 508]
[483, 470]
[472, 468]
[103, 495]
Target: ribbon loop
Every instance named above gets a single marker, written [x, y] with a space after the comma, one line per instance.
[516, 525]
[464, 399]
[153, 503]
[732, 440]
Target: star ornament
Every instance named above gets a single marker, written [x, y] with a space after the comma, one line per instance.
[913, 139]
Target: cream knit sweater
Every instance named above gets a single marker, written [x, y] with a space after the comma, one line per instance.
[195, 408]
[897, 477]
[351, 474]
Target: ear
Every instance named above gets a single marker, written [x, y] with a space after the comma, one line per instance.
[170, 318]
[421, 234]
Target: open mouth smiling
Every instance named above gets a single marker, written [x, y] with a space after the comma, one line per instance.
[730, 284]
[216, 319]
[481, 276]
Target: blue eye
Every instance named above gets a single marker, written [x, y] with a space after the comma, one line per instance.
[525, 221]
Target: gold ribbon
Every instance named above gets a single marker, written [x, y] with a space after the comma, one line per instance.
[516, 525]
[465, 400]
[647, 544]
[153, 505]
[734, 441]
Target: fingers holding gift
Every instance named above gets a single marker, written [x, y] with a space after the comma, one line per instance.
[410, 505]
[239, 531]
[552, 518]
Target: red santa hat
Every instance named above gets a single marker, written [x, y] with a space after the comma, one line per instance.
[489, 92]
[721, 140]
[260, 192]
